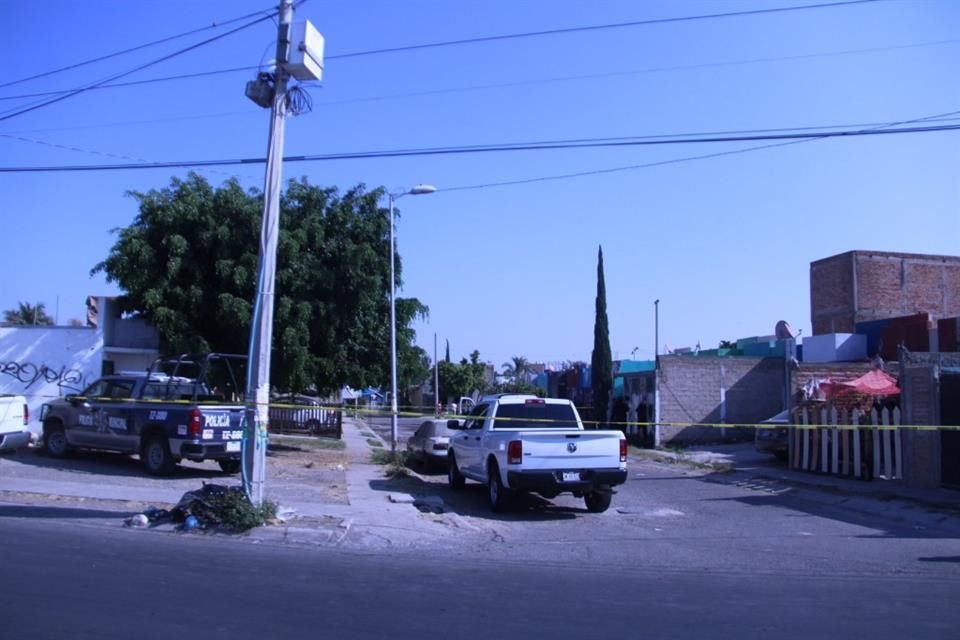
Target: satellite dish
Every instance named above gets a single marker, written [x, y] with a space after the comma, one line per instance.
[783, 330]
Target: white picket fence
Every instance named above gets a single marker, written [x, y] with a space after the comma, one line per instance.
[848, 444]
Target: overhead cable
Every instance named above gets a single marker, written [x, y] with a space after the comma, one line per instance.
[633, 23]
[122, 74]
[146, 45]
[501, 148]
[200, 74]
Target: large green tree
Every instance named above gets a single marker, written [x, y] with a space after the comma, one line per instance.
[601, 362]
[459, 380]
[28, 314]
[189, 264]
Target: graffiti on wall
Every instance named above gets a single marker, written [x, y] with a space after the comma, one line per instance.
[67, 379]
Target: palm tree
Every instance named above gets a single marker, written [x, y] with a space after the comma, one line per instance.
[516, 369]
[28, 314]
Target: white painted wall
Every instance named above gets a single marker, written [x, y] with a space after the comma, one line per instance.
[835, 347]
[43, 363]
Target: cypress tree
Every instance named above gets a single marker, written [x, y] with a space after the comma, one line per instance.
[601, 362]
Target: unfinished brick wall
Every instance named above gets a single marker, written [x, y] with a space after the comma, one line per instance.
[831, 294]
[859, 286]
[690, 393]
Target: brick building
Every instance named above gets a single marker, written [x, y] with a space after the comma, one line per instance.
[862, 286]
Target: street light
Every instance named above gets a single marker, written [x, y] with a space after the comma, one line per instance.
[417, 190]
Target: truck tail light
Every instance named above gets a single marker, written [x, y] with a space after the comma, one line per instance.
[623, 450]
[515, 452]
[26, 414]
[195, 428]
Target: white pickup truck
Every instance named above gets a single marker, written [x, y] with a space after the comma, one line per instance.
[14, 417]
[517, 443]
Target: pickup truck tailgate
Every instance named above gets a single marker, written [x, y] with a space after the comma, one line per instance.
[223, 424]
[571, 450]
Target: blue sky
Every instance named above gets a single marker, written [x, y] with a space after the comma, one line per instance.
[723, 243]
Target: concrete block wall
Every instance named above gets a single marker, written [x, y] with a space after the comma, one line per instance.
[859, 286]
[713, 390]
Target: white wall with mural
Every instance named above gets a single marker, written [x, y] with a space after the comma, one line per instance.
[43, 363]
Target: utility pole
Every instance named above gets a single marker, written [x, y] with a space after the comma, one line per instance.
[436, 375]
[258, 379]
[656, 373]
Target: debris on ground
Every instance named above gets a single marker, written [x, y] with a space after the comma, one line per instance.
[213, 506]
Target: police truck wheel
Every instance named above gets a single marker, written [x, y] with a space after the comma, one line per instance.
[229, 466]
[156, 457]
[55, 441]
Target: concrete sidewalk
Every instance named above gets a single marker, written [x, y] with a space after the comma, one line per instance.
[308, 513]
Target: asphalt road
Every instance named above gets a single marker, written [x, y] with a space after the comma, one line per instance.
[380, 423]
[63, 578]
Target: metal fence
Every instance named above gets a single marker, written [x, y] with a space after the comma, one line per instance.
[306, 420]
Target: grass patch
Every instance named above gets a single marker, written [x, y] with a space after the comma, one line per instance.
[373, 442]
[395, 464]
[368, 434]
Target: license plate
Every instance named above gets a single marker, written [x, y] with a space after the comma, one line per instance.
[233, 446]
[571, 476]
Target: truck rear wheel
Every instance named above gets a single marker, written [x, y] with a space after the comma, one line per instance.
[597, 502]
[55, 442]
[498, 495]
[156, 457]
[229, 466]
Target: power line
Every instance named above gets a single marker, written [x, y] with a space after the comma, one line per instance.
[518, 83]
[79, 90]
[132, 83]
[647, 165]
[614, 74]
[113, 85]
[618, 25]
[501, 148]
[946, 117]
[215, 25]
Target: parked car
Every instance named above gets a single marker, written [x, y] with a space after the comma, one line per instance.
[14, 417]
[431, 442]
[161, 414]
[515, 443]
[773, 439]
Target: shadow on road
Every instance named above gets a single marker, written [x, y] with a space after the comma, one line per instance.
[887, 519]
[106, 464]
[472, 501]
[940, 559]
[29, 511]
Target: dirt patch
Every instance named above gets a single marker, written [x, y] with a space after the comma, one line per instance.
[308, 468]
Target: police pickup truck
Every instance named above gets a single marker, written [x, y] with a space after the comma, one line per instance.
[516, 443]
[174, 411]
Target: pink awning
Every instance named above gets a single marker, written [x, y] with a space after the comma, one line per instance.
[874, 383]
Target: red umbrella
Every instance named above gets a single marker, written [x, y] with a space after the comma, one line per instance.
[874, 383]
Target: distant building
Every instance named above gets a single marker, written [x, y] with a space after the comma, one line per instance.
[864, 286]
[46, 362]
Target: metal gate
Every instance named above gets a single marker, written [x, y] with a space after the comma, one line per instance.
[950, 438]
